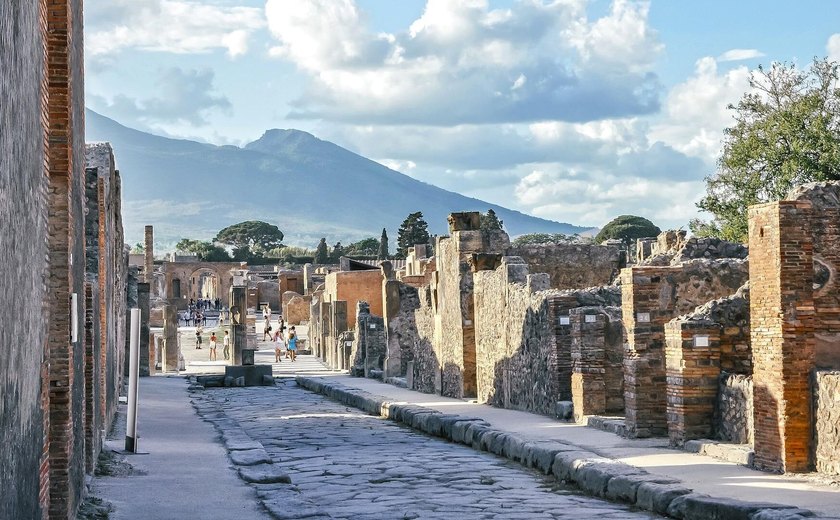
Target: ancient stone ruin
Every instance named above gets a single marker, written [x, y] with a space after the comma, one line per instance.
[687, 342]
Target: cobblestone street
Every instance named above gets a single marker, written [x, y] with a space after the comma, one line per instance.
[345, 464]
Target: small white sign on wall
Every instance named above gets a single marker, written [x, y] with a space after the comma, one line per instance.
[590, 318]
[701, 341]
[564, 320]
[643, 317]
[74, 317]
[373, 325]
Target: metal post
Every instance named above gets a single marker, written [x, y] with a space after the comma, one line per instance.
[133, 380]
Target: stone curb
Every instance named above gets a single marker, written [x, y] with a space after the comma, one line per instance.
[595, 475]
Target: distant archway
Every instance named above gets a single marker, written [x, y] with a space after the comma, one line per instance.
[205, 284]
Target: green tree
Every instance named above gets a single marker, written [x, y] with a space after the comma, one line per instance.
[548, 238]
[138, 248]
[383, 246]
[337, 253]
[366, 247]
[490, 222]
[322, 255]
[627, 228]
[253, 237]
[786, 133]
[414, 230]
[205, 251]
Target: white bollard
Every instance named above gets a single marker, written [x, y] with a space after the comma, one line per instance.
[133, 380]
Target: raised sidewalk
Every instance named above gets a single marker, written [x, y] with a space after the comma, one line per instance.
[644, 472]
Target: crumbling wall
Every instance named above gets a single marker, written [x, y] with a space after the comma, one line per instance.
[734, 409]
[367, 356]
[401, 304]
[296, 308]
[827, 415]
[425, 365]
[572, 266]
[652, 296]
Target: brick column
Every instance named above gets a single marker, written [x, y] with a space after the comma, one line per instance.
[238, 339]
[644, 317]
[143, 303]
[588, 355]
[170, 335]
[782, 330]
[692, 360]
[149, 256]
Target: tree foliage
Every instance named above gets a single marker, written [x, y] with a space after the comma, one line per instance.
[322, 254]
[549, 238]
[336, 253]
[138, 248]
[365, 247]
[490, 222]
[786, 133]
[414, 230]
[254, 235]
[382, 254]
[205, 251]
[627, 228]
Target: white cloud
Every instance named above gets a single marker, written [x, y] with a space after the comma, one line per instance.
[176, 26]
[184, 96]
[740, 54]
[463, 62]
[695, 110]
[833, 47]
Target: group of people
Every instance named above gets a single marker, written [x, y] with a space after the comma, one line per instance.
[285, 345]
[205, 304]
[213, 343]
[195, 317]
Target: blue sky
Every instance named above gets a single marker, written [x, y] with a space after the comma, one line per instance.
[573, 110]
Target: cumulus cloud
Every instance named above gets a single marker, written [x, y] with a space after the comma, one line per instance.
[176, 26]
[833, 47]
[695, 110]
[462, 62]
[185, 96]
[740, 54]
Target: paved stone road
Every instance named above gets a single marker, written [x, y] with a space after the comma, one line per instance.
[345, 464]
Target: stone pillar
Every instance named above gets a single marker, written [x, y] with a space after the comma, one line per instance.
[692, 361]
[782, 330]
[326, 329]
[238, 336]
[588, 355]
[149, 255]
[307, 278]
[146, 365]
[390, 309]
[338, 325]
[170, 338]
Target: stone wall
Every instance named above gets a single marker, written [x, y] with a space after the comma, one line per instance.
[295, 307]
[367, 356]
[572, 266]
[23, 224]
[827, 415]
[734, 409]
[425, 366]
[354, 287]
[652, 296]
[400, 303]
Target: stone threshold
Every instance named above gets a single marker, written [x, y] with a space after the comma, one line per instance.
[593, 474]
[736, 453]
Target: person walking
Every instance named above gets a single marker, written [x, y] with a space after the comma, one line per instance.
[226, 345]
[292, 343]
[267, 328]
[213, 346]
[279, 345]
[198, 338]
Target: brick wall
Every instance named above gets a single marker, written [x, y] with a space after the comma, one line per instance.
[652, 296]
[782, 329]
[597, 356]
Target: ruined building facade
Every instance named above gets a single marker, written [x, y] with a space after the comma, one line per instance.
[62, 267]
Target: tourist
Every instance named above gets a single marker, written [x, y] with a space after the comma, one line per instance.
[279, 345]
[213, 347]
[226, 345]
[267, 328]
[292, 343]
[198, 338]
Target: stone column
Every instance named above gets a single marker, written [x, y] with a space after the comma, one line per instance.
[588, 355]
[782, 329]
[307, 278]
[146, 365]
[692, 365]
[339, 325]
[170, 338]
[149, 255]
[390, 309]
[238, 339]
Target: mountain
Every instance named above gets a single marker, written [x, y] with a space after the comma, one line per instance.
[308, 187]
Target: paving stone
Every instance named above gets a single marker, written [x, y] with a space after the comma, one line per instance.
[264, 474]
[250, 457]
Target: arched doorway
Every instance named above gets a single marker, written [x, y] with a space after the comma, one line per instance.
[205, 284]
